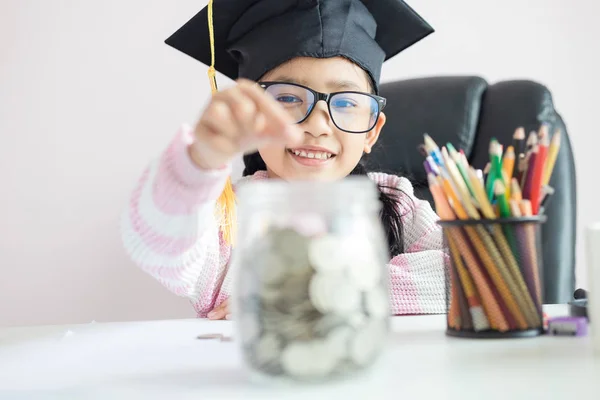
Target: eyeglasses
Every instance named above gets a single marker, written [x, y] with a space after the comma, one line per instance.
[352, 112]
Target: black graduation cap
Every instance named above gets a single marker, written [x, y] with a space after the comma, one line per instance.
[254, 36]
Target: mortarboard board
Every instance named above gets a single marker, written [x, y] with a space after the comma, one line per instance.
[252, 37]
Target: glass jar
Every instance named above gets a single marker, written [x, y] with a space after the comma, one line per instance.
[310, 298]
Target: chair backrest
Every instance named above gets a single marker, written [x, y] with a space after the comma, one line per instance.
[468, 112]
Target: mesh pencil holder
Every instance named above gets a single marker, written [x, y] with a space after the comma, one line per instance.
[495, 277]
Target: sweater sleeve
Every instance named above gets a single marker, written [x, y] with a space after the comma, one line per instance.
[418, 276]
[169, 228]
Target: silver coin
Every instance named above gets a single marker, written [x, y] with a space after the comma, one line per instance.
[296, 359]
[326, 253]
[367, 341]
[270, 294]
[329, 322]
[292, 247]
[365, 270]
[339, 341]
[332, 292]
[357, 320]
[274, 268]
[267, 349]
[313, 359]
[327, 357]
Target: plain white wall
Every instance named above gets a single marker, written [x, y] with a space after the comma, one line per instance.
[89, 93]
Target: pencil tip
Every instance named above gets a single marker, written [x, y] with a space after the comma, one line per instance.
[499, 188]
[431, 179]
[519, 133]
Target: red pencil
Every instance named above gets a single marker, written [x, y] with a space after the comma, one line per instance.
[538, 171]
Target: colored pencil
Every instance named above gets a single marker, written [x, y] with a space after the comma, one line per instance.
[478, 317]
[518, 141]
[532, 140]
[433, 149]
[462, 169]
[552, 156]
[538, 171]
[526, 211]
[515, 190]
[466, 321]
[527, 183]
[496, 168]
[522, 159]
[500, 196]
[508, 166]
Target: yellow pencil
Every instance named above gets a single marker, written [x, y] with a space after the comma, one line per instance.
[515, 190]
[508, 163]
[480, 195]
[551, 160]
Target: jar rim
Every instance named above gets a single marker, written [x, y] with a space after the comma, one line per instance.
[352, 190]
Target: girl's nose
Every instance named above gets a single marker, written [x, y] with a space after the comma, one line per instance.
[319, 121]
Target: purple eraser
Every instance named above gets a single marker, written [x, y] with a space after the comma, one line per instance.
[568, 326]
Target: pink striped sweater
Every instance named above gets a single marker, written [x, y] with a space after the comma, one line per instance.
[169, 230]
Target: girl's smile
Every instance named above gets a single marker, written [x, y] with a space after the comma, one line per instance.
[311, 156]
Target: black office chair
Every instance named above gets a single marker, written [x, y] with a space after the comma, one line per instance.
[468, 112]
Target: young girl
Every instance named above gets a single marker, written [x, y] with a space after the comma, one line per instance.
[300, 52]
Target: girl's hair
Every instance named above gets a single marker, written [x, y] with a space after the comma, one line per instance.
[389, 197]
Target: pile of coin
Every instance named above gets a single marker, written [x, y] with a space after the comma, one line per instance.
[311, 306]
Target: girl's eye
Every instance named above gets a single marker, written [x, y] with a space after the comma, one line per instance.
[344, 103]
[288, 99]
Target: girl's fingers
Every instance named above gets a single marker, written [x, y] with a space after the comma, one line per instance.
[219, 312]
[243, 109]
[218, 118]
[278, 121]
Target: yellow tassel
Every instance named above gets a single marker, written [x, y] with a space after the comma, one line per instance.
[226, 207]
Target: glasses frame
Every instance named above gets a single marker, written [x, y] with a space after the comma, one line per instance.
[326, 97]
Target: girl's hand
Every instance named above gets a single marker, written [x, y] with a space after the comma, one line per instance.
[239, 120]
[221, 311]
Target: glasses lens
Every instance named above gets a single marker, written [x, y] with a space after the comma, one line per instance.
[296, 100]
[354, 112]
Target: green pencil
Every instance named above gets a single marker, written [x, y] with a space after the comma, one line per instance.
[496, 167]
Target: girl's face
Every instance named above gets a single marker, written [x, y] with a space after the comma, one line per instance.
[327, 152]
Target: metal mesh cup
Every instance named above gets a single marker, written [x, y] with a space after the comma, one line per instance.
[495, 277]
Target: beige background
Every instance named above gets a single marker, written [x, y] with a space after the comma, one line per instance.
[89, 93]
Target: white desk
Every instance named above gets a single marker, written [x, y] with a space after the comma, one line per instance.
[163, 359]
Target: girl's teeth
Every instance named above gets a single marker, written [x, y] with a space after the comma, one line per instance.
[317, 155]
